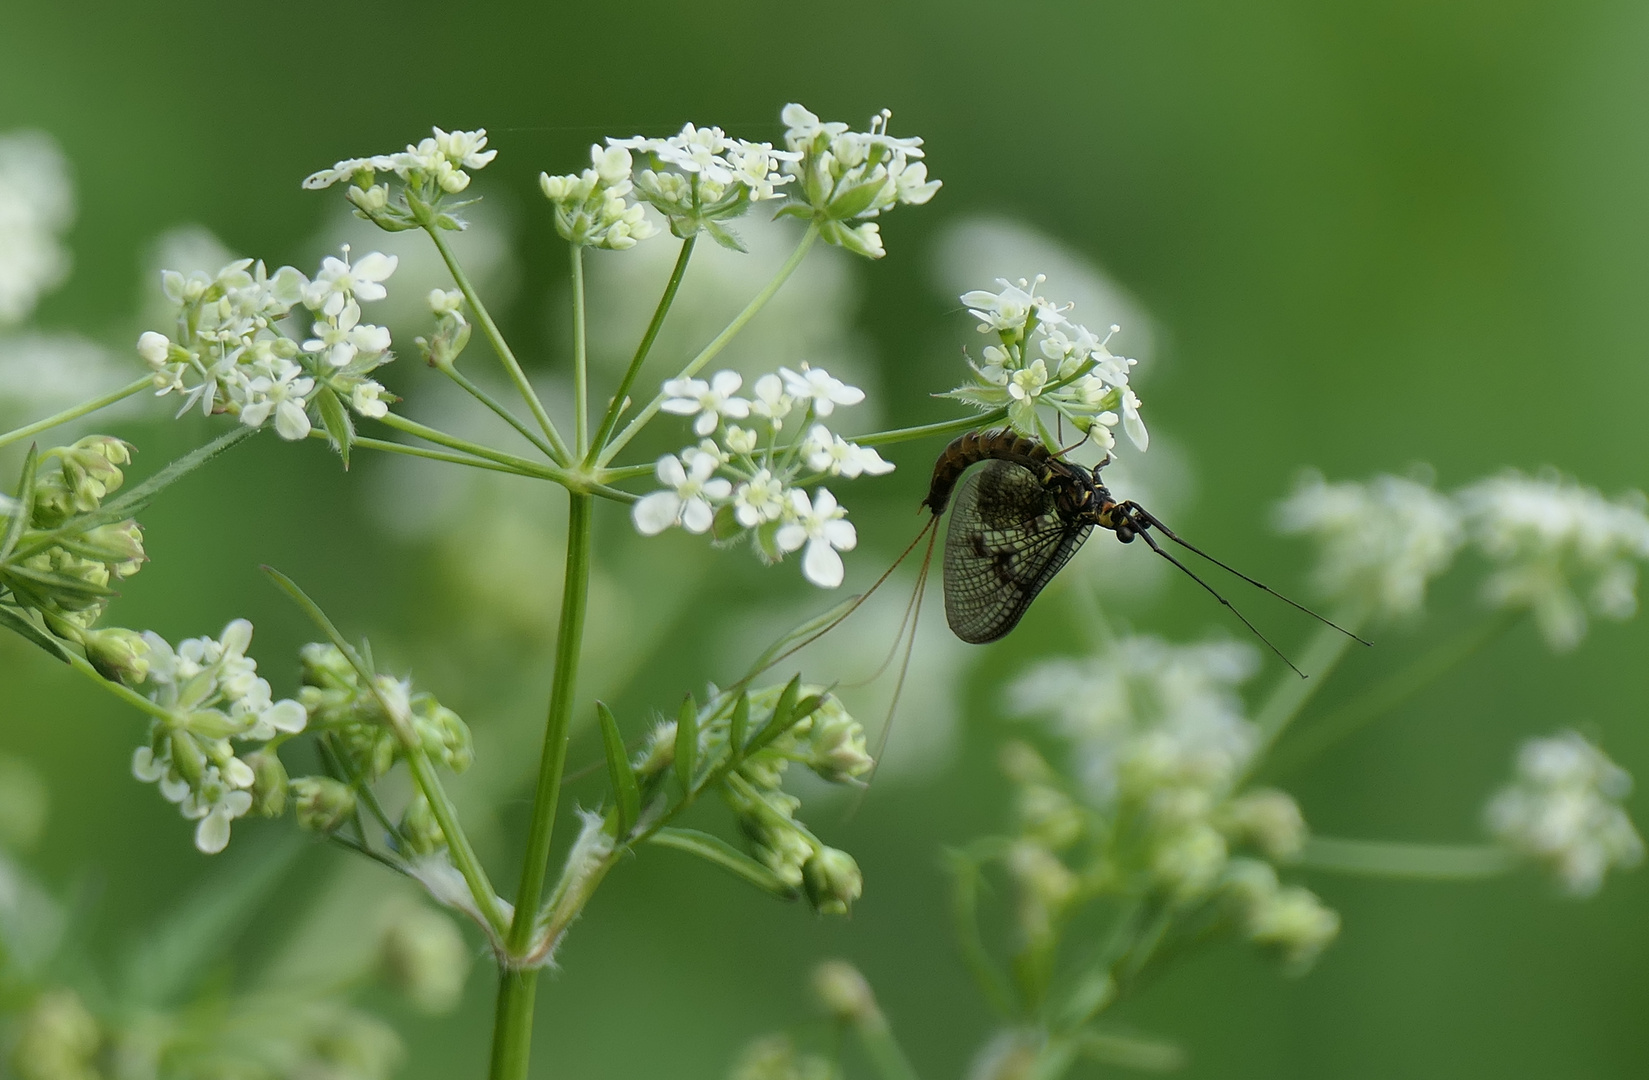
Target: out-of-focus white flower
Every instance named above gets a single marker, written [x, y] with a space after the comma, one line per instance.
[818, 387]
[36, 207]
[1559, 549]
[1382, 540]
[819, 525]
[772, 403]
[1293, 920]
[710, 401]
[1563, 809]
[687, 502]
[758, 500]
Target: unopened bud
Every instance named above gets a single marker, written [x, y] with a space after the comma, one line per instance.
[118, 655]
[153, 348]
[445, 736]
[323, 803]
[269, 782]
[424, 957]
[420, 833]
[838, 746]
[832, 881]
[1271, 819]
[844, 993]
[1295, 922]
[326, 667]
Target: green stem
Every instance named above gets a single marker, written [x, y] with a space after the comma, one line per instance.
[581, 359]
[616, 408]
[709, 352]
[77, 411]
[1423, 862]
[944, 427]
[1387, 695]
[559, 452]
[120, 690]
[512, 1032]
[458, 844]
[1324, 651]
[883, 1050]
[474, 391]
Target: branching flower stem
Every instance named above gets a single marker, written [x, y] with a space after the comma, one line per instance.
[581, 358]
[120, 690]
[469, 387]
[616, 408]
[559, 448]
[512, 1032]
[75, 412]
[710, 351]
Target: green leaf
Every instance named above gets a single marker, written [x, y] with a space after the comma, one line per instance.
[687, 742]
[739, 726]
[63, 583]
[715, 850]
[24, 510]
[618, 770]
[167, 962]
[725, 237]
[21, 625]
[136, 499]
[335, 419]
[780, 721]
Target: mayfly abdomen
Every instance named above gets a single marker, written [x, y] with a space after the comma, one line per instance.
[1003, 444]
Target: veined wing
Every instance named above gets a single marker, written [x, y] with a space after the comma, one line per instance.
[1006, 541]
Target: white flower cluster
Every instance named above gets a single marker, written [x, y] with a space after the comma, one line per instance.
[1550, 539]
[430, 170]
[212, 693]
[746, 479]
[700, 178]
[1558, 549]
[232, 354]
[1160, 744]
[847, 178]
[1041, 357]
[592, 208]
[1382, 540]
[1563, 809]
[36, 207]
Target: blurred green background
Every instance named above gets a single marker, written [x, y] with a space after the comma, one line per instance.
[1367, 235]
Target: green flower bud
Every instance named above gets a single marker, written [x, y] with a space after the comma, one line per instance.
[420, 833]
[187, 757]
[120, 545]
[1296, 923]
[832, 881]
[269, 783]
[323, 803]
[844, 993]
[1269, 818]
[1041, 875]
[424, 957]
[325, 666]
[445, 736]
[837, 751]
[1022, 764]
[57, 1040]
[118, 655]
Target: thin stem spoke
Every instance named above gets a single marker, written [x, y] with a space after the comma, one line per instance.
[616, 408]
[75, 412]
[581, 359]
[1426, 862]
[710, 351]
[500, 346]
[469, 387]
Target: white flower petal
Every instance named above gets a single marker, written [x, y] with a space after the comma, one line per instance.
[821, 565]
[656, 512]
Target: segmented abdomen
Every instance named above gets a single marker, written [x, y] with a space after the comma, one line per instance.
[1000, 444]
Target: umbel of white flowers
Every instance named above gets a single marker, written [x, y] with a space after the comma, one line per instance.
[230, 351]
[1041, 358]
[750, 471]
[1563, 810]
[1556, 549]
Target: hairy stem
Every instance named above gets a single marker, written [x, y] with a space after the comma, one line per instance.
[512, 1032]
[75, 412]
[500, 346]
[710, 351]
[616, 408]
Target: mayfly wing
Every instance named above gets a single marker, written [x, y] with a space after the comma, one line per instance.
[1006, 541]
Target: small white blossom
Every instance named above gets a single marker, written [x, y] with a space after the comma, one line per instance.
[367, 399]
[1382, 540]
[590, 207]
[438, 160]
[740, 440]
[215, 803]
[284, 392]
[830, 453]
[758, 500]
[445, 301]
[338, 339]
[822, 389]
[1563, 808]
[1006, 311]
[341, 281]
[1559, 549]
[846, 178]
[709, 400]
[819, 525]
[153, 348]
[687, 503]
[771, 402]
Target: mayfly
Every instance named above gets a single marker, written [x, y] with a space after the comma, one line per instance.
[1017, 521]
